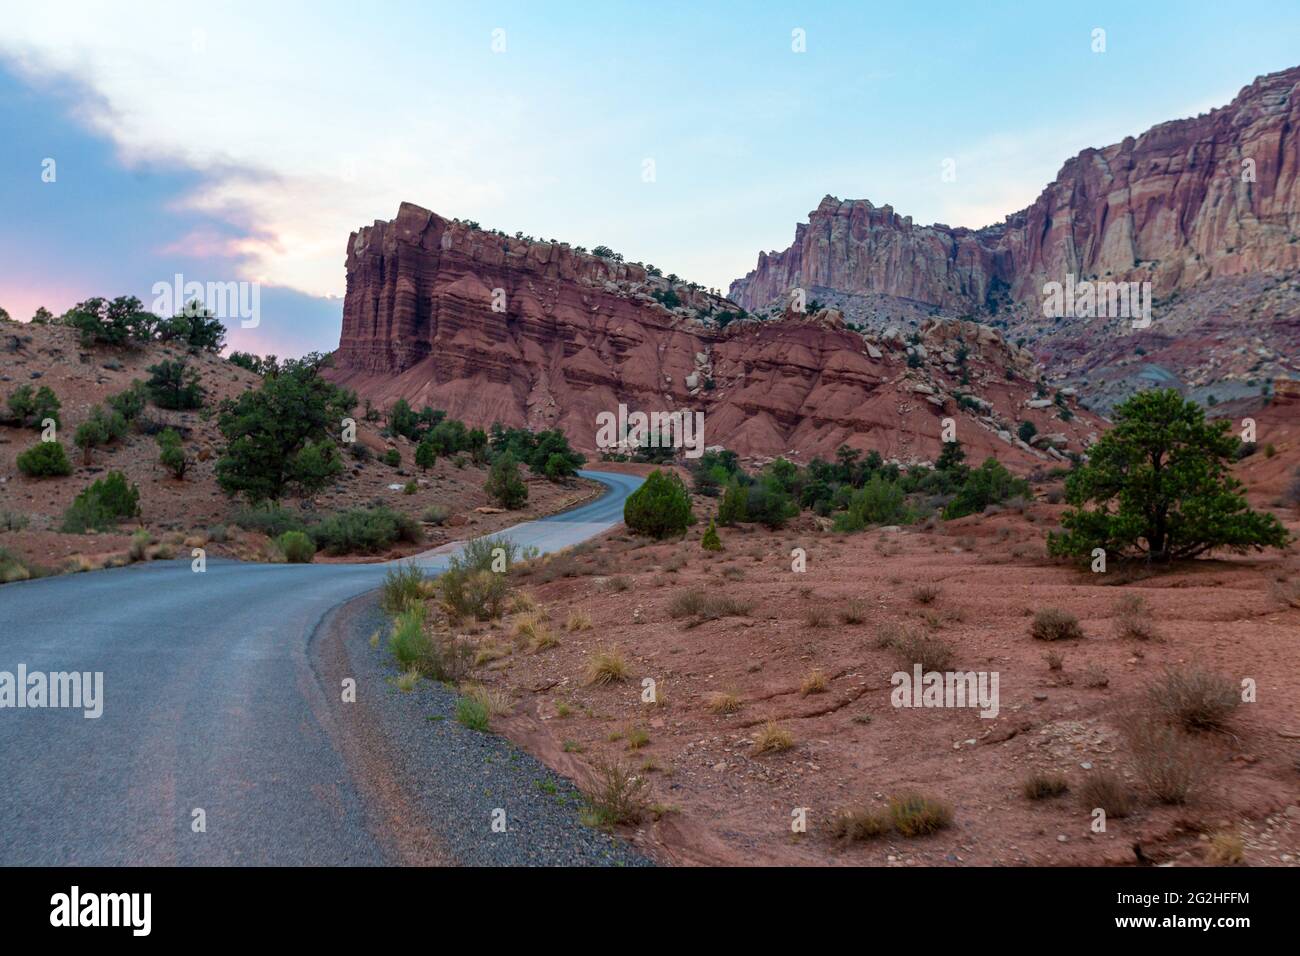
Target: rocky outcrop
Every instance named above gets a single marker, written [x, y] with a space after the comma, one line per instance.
[1201, 208]
[1187, 201]
[493, 329]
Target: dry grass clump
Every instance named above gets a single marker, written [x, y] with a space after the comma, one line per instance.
[1055, 660]
[1106, 790]
[1095, 677]
[521, 602]
[1053, 624]
[926, 593]
[491, 699]
[817, 617]
[1171, 765]
[1194, 699]
[606, 666]
[932, 653]
[407, 680]
[543, 639]
[616, 584]
[578, 621]
[615, 795]
[488, 652]
[1133, 619]
[700, 606]
[526, 625]
[637, 737]
[860, 823]
[773, 739]
[914, 814]
[855, 612]
[1225, 848]
[723, 702]
[1040, 786]
[815, 682]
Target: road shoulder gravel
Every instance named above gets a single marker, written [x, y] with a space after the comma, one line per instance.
[434, 787]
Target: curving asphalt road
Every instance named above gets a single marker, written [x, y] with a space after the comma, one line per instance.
[212, 700]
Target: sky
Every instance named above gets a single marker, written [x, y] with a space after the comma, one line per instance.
[245, 141]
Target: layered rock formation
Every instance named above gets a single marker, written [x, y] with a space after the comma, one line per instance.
[1189, 204]
[494, 329]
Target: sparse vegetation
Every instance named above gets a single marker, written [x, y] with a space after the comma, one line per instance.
[606, 666]
[1040, 786]
[1193, 698]
[916, 815]
[773, 739]
[1053, 624]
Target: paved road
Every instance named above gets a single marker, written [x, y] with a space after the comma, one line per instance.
[211, 700]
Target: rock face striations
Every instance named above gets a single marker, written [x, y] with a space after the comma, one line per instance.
[490, 329]
[1209, 203]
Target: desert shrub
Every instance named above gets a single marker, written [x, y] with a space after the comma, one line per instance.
[435, 514]
[773, 739]
[916, 815]
[988, 484]
[403, 588]
[173, 385]
[467, 593]
[606, 666]
[660, 508]
[701, 605]
[1225, 848]
[1193, 698]
[711, 541]
[1133, 619]
[1106, 790]
[172, 455]
[472, 713]
[734, 505]
[45, 459]
[101, 506]
[1171, 765]
[504, 484]
[1158, 485]
[926, 593]
[615, 794]
[855, 612]
[30, 409]
[912, 648]
[723, 702]
[578, 621]
[860, 823]
[130, 403]
[879, 501]
[140, 541]
[297, 547]
[488, 553]
[13, 568]
[269, 519]
[364, 530]
[1053, 624]
[12, 520]
[815, 682]
[1040, 786]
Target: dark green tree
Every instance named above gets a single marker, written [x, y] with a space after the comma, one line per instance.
[660, 508]
[268, 428]
[173, 385]
[1158, 485]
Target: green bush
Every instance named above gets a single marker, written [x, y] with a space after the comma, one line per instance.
[504, 484]
[769, 503]
[101, 506]
[472, 713]
[711, 541]
[988, 484]
[270, 520]
[29, 409]
[403, 589]
[734, 506]
[877, 502]
[130, 403]
[660, 508]
[393, 458]
[364, 530]
[470, 593]
[174, 386]
[172, 454]
[45, 459]
[297, 547]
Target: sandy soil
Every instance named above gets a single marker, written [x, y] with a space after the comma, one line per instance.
[718, 802]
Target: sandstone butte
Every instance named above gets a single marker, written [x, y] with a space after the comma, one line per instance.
[580, 334]
[1206, 209]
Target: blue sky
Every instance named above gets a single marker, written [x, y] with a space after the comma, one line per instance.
[245, 141]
